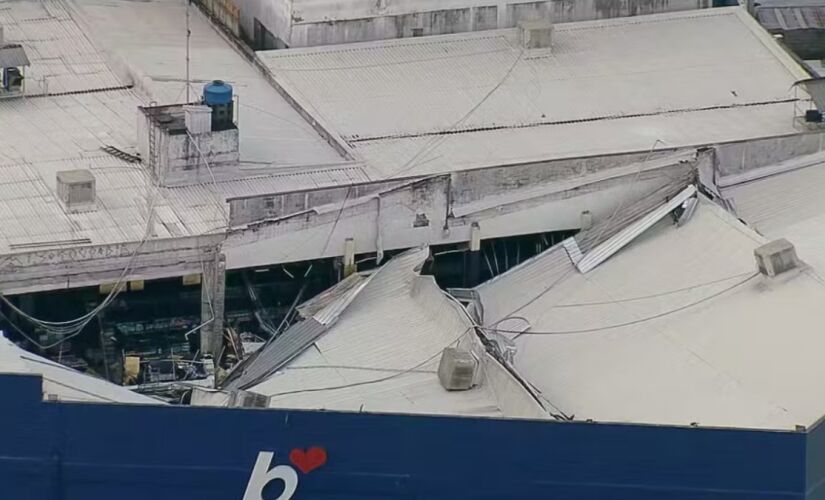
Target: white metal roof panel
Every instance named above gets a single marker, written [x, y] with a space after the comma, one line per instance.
[485, 89]
[146, 36]
[382, 352]
[702, 342]
[787, 205]
[41, 135]
[63, 382]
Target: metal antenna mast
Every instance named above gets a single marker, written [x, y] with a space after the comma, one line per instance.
[188, 36]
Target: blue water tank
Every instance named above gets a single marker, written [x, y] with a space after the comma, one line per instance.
[216, 93]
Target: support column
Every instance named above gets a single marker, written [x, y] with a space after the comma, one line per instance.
[213, 286]
[472, 271]
[349, 257]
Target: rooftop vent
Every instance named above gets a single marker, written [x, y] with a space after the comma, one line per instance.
[457, 369]
[776, 257]
[76, 189]
[244, 399]
[198, 119]
[536, 34]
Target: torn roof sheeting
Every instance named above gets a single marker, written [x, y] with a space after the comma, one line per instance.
[381, 350]
[62, 382]
[676, 328]
[319, 313]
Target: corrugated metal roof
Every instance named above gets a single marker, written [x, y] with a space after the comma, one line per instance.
[274, 354]
[793, 18]
[58, 49]
[701, 342]
[63, 382]
[605, 86]
[787, 204]
[44, 134]
[605, 249]
[147, 36]
[382, 352]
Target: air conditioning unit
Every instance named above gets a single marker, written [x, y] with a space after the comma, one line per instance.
[244, 399]
[76, 189]
[776, 257]
[457, 369]
[536, 34]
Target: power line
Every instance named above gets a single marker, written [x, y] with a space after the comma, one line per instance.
[439, 139]
[405, 371]
[432, 145]
[628, 323]
[654, 295]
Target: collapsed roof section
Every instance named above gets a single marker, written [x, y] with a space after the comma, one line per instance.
[678, 327]
[63, 383]
[374, 343]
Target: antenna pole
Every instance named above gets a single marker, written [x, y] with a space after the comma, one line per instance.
[188, 36]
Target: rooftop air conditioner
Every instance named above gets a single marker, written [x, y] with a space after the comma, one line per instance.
[457, 369]
[244, 399]
[776, 257]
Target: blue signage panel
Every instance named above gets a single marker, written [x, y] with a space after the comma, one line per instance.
[52, 450]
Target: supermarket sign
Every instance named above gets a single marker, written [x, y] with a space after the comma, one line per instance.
[262, 475]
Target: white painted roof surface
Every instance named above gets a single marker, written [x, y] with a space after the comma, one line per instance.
[604, 86]
[745, 357]
[386, 346]
[149, 40]
[89, 106]
[787, 205]
[64, 383]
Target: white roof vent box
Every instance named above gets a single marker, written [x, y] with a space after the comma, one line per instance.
[776, 257]
[536, 34]
[457, 369]
[76, 190]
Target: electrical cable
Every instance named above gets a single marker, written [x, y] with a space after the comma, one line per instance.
[627, 323]
[374, 381]
[654, 295]
[439, 139]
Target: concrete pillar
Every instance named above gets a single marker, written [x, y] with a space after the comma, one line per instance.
[349, 257]
[586, 220]
[472, 271]
[213, 286]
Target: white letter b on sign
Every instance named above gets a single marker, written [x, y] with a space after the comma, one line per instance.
[262, 475]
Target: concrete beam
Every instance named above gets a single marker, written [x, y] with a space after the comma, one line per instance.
[213, 287]
[92, 265]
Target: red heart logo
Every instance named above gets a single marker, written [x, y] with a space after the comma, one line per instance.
[308, 461]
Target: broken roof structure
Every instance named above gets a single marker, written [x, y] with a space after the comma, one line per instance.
[658, 315]
[374, 345]
[676, 328]
[63, 383]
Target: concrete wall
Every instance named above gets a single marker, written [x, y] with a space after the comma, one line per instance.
[429, 211]
[184, 159]
[740, 157]
[302, 23]
[91, 265]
